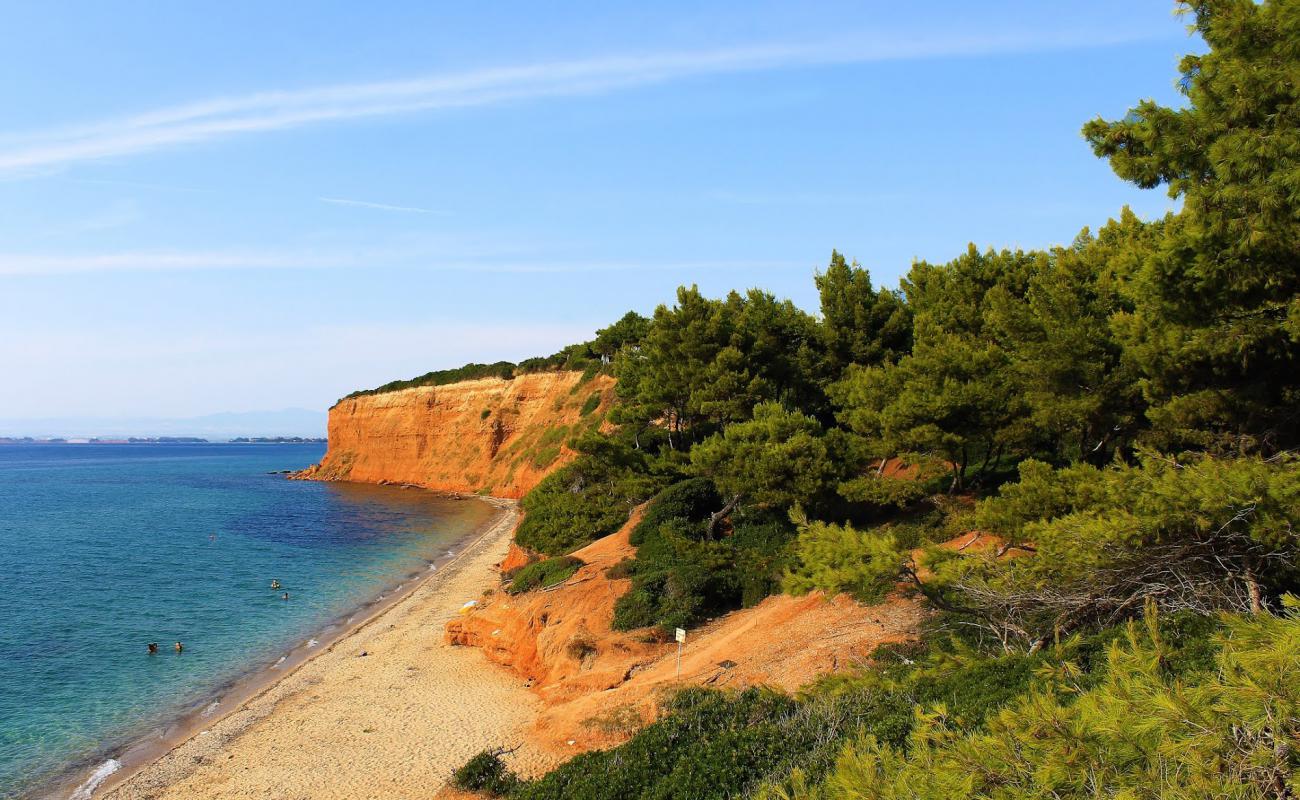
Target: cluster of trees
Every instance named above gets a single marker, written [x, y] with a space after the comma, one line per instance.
[1117, 416]
[1150, 357]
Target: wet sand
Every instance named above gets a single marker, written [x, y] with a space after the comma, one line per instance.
[392, 723]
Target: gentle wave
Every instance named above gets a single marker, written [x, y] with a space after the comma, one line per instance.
[101, 773]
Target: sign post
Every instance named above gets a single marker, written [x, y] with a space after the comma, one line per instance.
[681, 639]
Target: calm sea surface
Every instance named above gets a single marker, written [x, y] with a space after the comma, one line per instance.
[105, 548]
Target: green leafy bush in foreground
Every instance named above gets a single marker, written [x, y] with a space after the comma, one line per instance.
[1228, 732]
[485, 772]
[541, 574]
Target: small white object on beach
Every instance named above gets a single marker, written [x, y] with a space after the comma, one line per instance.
[496, 632]
[468, 606]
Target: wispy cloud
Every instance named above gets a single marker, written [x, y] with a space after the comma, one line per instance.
[341, 201]
[428, 259]
[278, 110]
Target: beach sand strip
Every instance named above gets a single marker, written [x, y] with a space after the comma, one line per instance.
[392, 723]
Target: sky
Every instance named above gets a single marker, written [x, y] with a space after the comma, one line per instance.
[245, 206]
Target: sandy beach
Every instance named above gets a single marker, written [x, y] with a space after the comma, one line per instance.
[387, 711]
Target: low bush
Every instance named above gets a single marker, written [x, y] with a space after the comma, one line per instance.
[591, 404]
[578, 503]
[541, 574]
[485, 772]
[1137, 725]
[682, 575]
[546, 456]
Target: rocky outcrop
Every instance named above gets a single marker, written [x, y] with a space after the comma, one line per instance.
[489, 436]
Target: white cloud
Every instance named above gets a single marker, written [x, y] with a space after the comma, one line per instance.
[276, 110]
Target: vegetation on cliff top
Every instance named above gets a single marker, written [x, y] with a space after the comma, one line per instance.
[590, 356]
[1118, 417]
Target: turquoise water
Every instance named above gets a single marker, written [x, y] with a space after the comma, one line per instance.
[105, 548]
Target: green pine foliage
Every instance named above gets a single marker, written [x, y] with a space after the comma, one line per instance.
[580, 502]
[684, 573]
[1141, 731]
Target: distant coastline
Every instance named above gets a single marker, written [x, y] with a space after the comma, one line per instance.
[161, 440]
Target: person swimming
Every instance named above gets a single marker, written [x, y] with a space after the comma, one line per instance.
[275, 584]
[178, 647]
[153, 648]
[285, 597]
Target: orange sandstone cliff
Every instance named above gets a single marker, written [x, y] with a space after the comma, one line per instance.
[489, 436]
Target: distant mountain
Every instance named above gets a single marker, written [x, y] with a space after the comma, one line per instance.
[218, 427]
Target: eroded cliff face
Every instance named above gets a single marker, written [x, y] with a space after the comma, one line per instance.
[489, 436]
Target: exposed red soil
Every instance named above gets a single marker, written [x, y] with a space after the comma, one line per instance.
[600, 685]
[494, 436]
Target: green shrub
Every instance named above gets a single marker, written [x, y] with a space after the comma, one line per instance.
[546, 456]
[578, 503]
[692, 500]
[487, 412]
[840, 558]
[622, 569]
[681, 576]
[553, 435]
[591, 404]
[1137, 729]
[541, 574]
[485, 772]
[711, 745]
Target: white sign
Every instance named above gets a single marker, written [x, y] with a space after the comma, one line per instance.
[681, 634]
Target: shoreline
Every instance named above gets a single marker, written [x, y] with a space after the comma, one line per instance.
[143, 760]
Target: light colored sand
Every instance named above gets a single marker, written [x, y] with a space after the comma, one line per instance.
[391, 725]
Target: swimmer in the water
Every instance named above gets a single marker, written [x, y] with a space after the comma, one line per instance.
[179, 647]
[285, 597]
[275, 584]
[153, 648]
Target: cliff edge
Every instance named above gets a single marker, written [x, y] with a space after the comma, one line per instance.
[488, 436]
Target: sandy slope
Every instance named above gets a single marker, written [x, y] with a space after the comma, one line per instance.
[391, 724]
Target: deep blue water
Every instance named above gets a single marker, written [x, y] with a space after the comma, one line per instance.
[105, 548]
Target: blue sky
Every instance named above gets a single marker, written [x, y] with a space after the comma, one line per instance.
[245, 206]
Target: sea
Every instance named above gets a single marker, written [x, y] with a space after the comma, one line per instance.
[105, 548]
